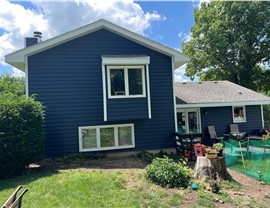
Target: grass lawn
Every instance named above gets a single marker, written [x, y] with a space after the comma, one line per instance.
[115, 183]
[81, 188]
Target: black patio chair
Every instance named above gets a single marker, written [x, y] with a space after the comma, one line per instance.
[213, 135]
[183, 143]
[236, 134]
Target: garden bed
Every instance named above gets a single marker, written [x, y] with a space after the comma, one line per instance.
[55, 179]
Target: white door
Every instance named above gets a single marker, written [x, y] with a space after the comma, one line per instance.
[188, 120]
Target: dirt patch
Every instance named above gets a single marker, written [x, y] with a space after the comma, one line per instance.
[251, 192]
[251, 189]
[108, 164]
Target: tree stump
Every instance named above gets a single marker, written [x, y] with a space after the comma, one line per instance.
[211, 168]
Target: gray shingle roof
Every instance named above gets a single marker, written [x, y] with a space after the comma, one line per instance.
[215, 92]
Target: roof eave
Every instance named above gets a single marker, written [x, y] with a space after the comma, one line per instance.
[17, 58]
[223, 104]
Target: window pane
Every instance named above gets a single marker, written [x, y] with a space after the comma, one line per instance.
[239, 114]
[135, 81]
[181, 121]
[124, 136]
[192, 122]
[107, 137]
[117, 81]
[88, 138]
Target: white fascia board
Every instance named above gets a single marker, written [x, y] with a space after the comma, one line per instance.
[18, 56]
[145, 60]
[200, 105]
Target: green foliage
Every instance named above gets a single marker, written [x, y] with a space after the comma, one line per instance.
[80, 157]
[266, 116]
[167, 173]
[14, 85]
[148, 156]
[218, 146]
[230, 39]
[215, 186]
[21, 133]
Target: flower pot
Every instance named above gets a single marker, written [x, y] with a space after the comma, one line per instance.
[199, 151]
[210, 156]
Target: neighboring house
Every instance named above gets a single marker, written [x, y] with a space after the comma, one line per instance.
[104, 88]
[218, 103]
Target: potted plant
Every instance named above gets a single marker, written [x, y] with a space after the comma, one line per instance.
[210, 153]
[219, 147]
[199, 149]
[266, 136]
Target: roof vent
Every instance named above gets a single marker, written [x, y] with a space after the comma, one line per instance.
[240, 93]
[200, 82]
[215, 82]
[184, 83]
[38, 36]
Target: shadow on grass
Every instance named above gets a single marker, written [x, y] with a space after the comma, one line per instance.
[77, 162]
[23, 180]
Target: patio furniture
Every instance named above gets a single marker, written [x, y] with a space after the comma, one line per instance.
[185, 142]
[12, 198]
[213, 134]
[236, 134]
[18, 202]
[234, 128]
[13, 201]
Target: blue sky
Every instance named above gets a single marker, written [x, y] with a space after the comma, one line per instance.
[167, 22]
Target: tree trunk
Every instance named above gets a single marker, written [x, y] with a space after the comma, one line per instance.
[211, 169]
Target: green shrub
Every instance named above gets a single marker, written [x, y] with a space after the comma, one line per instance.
[167, 173]
[21, 133]
[148, 156]
[81, 157]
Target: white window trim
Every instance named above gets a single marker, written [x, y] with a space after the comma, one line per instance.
[244, 114]
[115, 137]
[125, 60]
[125, 68]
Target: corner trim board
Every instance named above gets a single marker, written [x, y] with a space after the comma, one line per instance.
[148, 92]
[104, 93]
[262, 116]
[26, 77]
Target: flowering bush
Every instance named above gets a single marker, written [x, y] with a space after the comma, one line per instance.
[210, 151]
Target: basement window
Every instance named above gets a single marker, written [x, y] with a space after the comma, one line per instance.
[96, 138]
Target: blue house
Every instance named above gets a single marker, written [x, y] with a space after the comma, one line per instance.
[104, 88]
[218, 103]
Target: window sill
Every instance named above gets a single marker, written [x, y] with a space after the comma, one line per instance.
[127, 96]
[239, 121]
[106, 148]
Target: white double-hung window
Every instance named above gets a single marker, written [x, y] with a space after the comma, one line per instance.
[126, 81]
[239, 114]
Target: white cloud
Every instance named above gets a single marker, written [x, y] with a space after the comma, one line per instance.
[17, 73]
[184, 37]
[54, 17]
[179, 74]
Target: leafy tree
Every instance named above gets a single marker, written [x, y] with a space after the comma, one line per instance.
[14, 85]
[229, 39]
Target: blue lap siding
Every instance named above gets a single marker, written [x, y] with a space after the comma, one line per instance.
[68, 80]
[221, 118]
